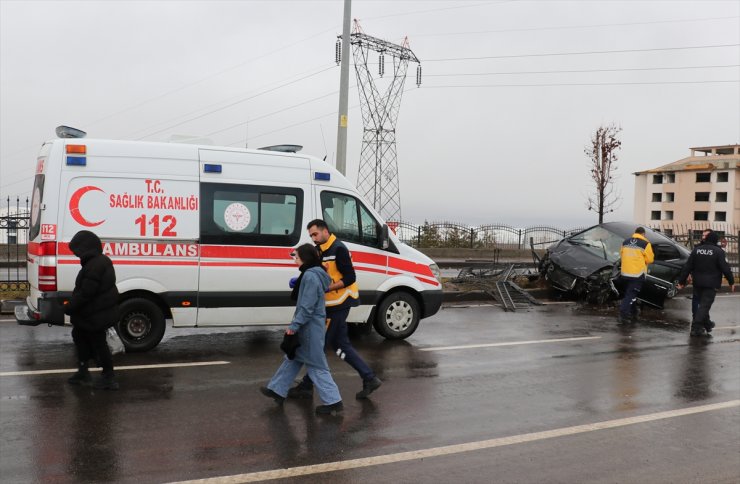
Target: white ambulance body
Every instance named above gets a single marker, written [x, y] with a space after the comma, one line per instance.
[202, 236]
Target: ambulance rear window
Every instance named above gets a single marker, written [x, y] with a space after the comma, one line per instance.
[36, 202]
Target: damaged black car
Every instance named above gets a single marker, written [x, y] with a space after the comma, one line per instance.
[586, 264]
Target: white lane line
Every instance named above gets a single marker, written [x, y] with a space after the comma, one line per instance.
[510, 343]
[727, 327]
[459, 448]
[117, 368]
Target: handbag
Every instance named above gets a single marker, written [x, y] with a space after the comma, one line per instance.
[290, 344]
[114, 341]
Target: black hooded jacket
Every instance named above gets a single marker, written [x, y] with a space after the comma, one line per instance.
[94, 303]
[707, 264]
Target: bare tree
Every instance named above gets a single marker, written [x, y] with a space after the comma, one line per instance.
[602, 154]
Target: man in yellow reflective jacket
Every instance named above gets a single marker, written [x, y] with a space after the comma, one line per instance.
[636, 253]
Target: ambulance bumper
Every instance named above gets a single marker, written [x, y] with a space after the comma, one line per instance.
[50, 311]
[431, 302]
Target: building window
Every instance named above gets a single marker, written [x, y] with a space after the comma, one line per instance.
[701, 196]
[670, 196]
[670, 178]
[701, 215]
[657, 197]
[723, 176]
[657, 179]
[655, 215]
[669, 215]
[703, 177]
[721, 197]
[720, 216]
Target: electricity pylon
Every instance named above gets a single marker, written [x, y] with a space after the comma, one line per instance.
[377, 178]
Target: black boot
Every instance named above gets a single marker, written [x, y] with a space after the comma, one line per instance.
[333, 409]
[368, 386]
[81, 376]
[106, 381]
[279, 399]
[302, 390]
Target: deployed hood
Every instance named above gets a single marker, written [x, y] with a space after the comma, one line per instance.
[85, 245]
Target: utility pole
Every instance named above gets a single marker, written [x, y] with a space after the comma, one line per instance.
[344, 92]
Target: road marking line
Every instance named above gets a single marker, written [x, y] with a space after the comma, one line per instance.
[510, 343]
[727, 327]
[117, 368]
[458, 448]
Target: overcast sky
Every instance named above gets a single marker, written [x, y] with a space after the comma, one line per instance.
[510, 95]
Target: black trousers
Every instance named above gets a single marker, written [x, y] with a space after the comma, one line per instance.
[337, 338]
[92, 345]
[704, 296]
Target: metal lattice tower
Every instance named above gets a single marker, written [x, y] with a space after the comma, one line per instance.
[377, 178]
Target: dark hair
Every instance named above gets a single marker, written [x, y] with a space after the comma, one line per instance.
[318, 223]
[712, 237]
[308, 254]
[639, 230]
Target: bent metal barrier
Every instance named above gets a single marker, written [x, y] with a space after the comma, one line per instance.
[14, 224]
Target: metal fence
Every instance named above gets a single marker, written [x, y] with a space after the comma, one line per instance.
[15, 222]
[491, 236]
[15, 219]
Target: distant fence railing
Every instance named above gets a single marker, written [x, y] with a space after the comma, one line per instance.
[15, 220]
[455, 235]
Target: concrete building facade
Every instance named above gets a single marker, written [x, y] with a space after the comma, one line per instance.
[701, 190]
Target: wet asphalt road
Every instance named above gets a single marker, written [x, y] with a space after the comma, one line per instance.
[506, 413]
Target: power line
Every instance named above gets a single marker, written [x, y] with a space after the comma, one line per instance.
[210, 76]
[272, 113]
[234, 103]
[457, 7]
[582, 53]
[573, 27]
[584, 84]
[634, 69]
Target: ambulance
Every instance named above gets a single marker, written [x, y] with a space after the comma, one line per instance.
[201, 236]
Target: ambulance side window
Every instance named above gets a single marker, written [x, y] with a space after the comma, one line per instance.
[36, 201]
[349, 219]
[250, 215]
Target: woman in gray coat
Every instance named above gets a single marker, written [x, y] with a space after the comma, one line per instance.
[309, 324]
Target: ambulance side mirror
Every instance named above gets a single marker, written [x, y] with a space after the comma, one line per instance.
[384, 238]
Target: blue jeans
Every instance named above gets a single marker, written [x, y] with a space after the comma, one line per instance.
[288, 370]
[632, 286]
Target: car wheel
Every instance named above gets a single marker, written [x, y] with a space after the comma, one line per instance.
[673, 290]
[141, 326]
[397, 316]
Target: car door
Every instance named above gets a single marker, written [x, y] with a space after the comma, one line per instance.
[662, 275]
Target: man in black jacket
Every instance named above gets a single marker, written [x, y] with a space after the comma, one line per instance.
[707, 264]
[93, 309]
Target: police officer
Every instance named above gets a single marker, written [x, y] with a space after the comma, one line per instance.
[342, 295]
[707, 264]
[636, 253]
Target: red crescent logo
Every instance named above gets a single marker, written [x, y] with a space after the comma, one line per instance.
[74, 206]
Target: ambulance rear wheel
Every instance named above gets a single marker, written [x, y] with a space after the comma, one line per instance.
[397, 316]
[141, 326]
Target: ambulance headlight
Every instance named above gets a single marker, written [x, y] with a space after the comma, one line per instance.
[435, 270]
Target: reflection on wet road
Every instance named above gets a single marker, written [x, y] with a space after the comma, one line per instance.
[555, 394]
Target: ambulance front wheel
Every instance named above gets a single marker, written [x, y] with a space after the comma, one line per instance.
[397, 316]
[141, 326]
